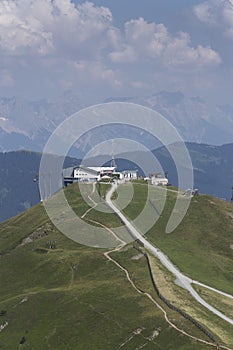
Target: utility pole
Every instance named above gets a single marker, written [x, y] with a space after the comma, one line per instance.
[113, 163]
[36, 180]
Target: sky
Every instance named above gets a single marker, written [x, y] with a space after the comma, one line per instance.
[116, 48]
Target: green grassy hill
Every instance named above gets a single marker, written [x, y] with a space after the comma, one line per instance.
[202, 245]
[59, 295]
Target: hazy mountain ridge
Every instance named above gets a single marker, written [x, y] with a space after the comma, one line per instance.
[212, 166]
[196, 120]
[27, 125]
[18, 191]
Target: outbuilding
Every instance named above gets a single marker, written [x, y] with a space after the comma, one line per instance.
[130, 174]
[159, 180]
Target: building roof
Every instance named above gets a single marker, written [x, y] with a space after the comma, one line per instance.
[101, 169]
[69, 172]
[87, 169]
[130, 171]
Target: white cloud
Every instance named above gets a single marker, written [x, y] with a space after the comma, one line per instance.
[22, 29]
[81, 32]
[204, 13]
[56, 45]
[126, 55]
[48, 27]
[218, 13]
[151, 41]
[97, 72]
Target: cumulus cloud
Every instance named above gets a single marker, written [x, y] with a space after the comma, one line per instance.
[218, 13]
[63, 45]
[22, 29]
[55, 27]
[205, 13]
[97, 71]
[151, 41]
[47, 27]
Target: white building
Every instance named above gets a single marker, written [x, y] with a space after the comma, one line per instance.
[159, 180]
[83, 173]
[130, 174]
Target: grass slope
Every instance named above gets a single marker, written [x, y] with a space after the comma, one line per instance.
[72, 297]
[201, 246]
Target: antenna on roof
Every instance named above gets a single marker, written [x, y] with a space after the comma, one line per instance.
[113, 162]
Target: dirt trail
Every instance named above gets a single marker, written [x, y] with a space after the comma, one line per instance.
[149, 296]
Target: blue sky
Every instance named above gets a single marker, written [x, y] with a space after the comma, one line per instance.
[150, 9]
[116, 48]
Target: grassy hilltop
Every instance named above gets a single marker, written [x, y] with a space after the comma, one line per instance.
[59, 295]
[201, 246]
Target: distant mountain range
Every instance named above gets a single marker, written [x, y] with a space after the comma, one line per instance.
[195, 119]
[18, 191]
[213, 174]
[27, 125]
[212, 165]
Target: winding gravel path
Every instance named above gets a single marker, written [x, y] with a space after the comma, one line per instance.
[183, 280]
